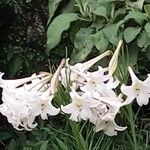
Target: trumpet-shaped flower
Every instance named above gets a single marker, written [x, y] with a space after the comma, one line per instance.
[80, 107]
[104, 114]
[76, 72]
[139, 90]
[108, 125]
[44, 106]
[23, 101]
[99, 84]
[17, 107]
[17, 82]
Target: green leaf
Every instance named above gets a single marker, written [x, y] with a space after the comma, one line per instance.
[133, 51]
[147, 28]
[131, 33]
[100, 41]
[81, 145]
[138, 4]
[44, 146]
[56, 28]
[83, 44]
[143, 39]
[139, 17]
[52, 6]
[111, 33]
[12, 145]
[101, 11]
[147, 9]
[61, 144]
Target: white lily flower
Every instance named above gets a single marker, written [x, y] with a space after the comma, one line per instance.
[44, 106]
[114, 60]
[108, 125]
[80, 107]
[17, 82]
[76, 72]
[109, 105]
[18, 111]
[22, 104]
[139, 90]
[99, 84]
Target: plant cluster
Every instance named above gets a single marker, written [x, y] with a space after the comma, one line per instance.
[93, 95]
[62, 109]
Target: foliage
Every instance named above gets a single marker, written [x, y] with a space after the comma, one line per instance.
[37, 36]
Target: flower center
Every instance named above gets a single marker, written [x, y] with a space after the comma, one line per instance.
[137, 88]
[93, 82]
[79, 103]
[42, 104]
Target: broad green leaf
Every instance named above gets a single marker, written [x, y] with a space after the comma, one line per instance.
[143, 39]
[83, 45]
[56, 28]
[133, 51]
[100, 41]
[131, 33]
[101, 11]
[111, 33]
[44, 146]
[147, 9]
[52, 6]
[138, 4]
[147, 28]
[69, 7]
[139, 17]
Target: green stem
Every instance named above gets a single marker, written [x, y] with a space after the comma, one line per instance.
[132, 125]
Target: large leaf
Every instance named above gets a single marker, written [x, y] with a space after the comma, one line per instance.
[52, 6]
[147, 9]
[111, 33]
[143, 39]
[138, 4]
[100, 41]
[138, 17]
[56, 28]
[147, 28]
[101, 11]
[133, 51]
[83, 45]
[131, 33]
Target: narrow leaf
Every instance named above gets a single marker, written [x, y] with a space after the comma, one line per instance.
[44, 146]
